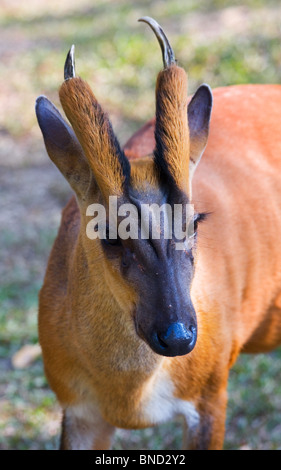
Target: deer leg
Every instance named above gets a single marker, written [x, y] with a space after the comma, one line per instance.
[209, 433]
[83, 428]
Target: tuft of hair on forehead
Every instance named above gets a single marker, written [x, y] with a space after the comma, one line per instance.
[95, 134]
[144, 173]
[171, 129]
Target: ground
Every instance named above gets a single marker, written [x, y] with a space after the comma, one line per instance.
[218, 42]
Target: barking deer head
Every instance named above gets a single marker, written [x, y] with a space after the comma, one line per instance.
[148, 276]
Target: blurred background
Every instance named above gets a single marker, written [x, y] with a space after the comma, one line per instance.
[219, 42]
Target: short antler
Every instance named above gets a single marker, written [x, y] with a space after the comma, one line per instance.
[167, 51]
[69, 66]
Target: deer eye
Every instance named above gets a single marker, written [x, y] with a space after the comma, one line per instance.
[110, 241]
[193, 226]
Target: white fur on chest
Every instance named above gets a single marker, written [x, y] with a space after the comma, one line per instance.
[161, 405]
[157, 405]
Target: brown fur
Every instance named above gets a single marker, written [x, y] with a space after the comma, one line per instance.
[144, 174]
[93, 129]
[90, 347]
[171, 130]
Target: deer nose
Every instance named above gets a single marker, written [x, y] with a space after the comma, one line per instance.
[177, 340]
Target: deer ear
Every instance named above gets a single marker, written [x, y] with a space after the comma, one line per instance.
[199, 114]
[63, 146]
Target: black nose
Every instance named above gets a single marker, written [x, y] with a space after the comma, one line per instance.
[177, 340]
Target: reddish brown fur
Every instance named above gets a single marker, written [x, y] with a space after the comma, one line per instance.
[236, 289]
[93, 129]
[142, 143]
[172, 136]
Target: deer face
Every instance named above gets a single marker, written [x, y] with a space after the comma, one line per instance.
[146, 258]
[158, 266]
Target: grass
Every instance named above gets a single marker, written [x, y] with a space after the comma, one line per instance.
[219, 42]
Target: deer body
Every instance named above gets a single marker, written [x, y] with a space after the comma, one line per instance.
[96, 355]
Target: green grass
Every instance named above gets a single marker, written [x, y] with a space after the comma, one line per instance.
[120, 57]
[219, 42]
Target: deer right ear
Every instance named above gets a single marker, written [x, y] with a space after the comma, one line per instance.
[63, 146]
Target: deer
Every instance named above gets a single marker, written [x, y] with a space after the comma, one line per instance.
[134, 331]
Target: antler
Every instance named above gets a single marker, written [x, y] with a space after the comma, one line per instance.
[94, 131]
[69, 66]
[171, 153]
[167, 51]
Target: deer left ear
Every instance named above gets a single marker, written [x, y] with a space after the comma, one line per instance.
[199, 114]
